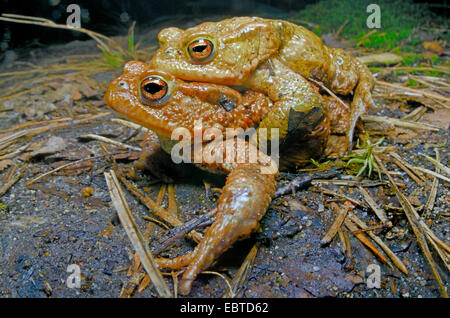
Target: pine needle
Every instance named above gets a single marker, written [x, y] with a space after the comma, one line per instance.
[135, 235]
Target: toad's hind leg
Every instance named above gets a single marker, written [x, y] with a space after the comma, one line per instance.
[244, 200]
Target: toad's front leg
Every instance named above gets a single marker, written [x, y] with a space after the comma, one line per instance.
[352, 75]
[155, 160]
[244, 200]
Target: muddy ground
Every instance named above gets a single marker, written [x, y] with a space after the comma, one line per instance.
[53, 223]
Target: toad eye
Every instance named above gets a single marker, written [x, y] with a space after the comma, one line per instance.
[154, 90]
[201, 50]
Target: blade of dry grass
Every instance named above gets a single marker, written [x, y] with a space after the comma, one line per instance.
[180, 231]
[349, 183]
[65, 166]
[356, 202]
[443, 255]
[412, 115]
[436, 162]
[399, 122]
[131, 284]
[227, 281]
[348, 249]
[377, 240]
[341, 214]
[375, 208]
[408, 172]
[412, 90]
[242, 273]
[34, 123]
[37, 130]
[433, 191]
[16, 177]
[109, 141]
[408, 168]
[149, 203]
[161, 193]
[99, 38]
[157, 209]
[351, 226]
[328, 91]
[172, 208]
[434, 174]
[129, 124]
[135, 235]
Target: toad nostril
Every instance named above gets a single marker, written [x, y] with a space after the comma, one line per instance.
[123, 84]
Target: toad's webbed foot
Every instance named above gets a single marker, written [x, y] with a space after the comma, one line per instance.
[243, 202]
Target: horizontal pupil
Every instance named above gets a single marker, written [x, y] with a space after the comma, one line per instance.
[199, 48]
[152, 88]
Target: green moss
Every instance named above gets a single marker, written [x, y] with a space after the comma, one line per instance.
[3, 208]
[375, 69]
[435, 60]
[432, 73]
[399, 19]
[412, 82]
[412, 59]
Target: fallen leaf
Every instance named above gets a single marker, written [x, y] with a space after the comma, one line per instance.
[52, 145]
[414, 200]
[5, 164]
[440, 118]
[75, 93]
[73, 153]
[355, 279]
[87, 91]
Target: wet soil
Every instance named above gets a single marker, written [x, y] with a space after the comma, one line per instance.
[52, 224]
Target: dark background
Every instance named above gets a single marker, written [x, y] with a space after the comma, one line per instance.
[107, 16]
